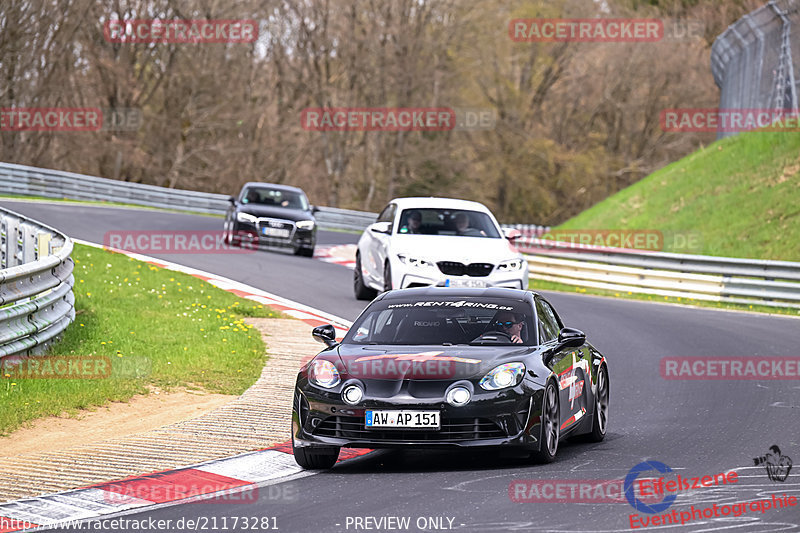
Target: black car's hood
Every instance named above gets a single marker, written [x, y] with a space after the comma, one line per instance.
[274, 212]
[426, 362]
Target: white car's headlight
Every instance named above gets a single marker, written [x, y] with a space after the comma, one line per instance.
[505, 375]
[305, 224]
[246, 217]
[324, 374]
[511, 265]
[414, 261]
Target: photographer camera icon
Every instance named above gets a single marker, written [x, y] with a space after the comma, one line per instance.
[778, 466]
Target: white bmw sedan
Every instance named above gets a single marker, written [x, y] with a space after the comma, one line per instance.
[441, 242]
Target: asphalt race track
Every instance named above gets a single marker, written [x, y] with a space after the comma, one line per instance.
[698, 428]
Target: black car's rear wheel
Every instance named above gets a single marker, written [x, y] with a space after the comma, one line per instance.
[361, 291]
[550, 424]
[600, 419]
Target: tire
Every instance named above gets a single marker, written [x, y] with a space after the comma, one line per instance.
[361, 291]
[550, 424]
[227, 232]
[600, 418]
[387, 277]
[321, 458]
[304, 252]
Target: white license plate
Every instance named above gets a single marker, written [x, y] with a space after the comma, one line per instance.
[275, 232]
[465, 283]
[403, 419]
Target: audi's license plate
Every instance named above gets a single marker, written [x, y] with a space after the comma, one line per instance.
[479, 283]
[276, 232]
[403, 419]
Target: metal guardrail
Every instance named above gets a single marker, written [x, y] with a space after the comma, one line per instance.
[36, 299]
[746, 281]
[699, 277]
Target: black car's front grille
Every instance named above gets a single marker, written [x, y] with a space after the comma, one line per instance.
[453, 429]
[454, 268]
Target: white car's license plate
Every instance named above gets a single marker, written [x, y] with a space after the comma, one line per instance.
[275, 232]
[465, 283]
[403, 419]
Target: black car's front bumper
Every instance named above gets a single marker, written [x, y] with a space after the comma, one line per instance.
[498, 418]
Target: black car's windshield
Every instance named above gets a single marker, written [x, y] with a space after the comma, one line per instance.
[275, 197]
[444, 321]
[464, 223]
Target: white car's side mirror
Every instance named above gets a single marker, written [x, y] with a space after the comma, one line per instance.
[381, 227]
[512, 234]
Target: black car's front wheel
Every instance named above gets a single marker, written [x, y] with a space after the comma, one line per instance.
[550, 420]
[316, 458]
[600, 419]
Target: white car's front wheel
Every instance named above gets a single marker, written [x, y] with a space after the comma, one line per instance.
[387, 277]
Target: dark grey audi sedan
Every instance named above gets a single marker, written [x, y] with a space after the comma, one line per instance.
[268, 214]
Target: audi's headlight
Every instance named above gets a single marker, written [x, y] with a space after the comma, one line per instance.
[246, 217]
[505, 375]
[414, 261]
[510, 266]
[305, 224]
[324, 374]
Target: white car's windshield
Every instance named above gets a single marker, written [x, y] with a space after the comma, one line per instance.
[275, 197]
[453, 222]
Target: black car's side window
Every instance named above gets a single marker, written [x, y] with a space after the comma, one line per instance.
[548, 323]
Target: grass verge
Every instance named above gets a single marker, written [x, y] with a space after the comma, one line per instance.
[540, 285]
[156, 327]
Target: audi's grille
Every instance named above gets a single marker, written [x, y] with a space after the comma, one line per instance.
[453, 429]
[454, 268]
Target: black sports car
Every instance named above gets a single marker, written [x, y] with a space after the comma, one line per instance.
[272, 215]
[433, 367]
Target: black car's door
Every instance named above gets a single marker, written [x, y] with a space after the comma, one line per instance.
[571, 364]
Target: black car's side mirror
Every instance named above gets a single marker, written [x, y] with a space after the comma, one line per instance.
[232, 200]
[571, 338]
[325, 334]
[314, 210]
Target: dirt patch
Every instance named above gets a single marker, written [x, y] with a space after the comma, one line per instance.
[118, 419]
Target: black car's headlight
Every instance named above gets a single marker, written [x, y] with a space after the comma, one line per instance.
[246, 217]
[324, 374]
[505, 375]
[305, 224]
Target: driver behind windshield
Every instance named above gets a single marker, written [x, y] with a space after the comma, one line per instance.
[510, 324]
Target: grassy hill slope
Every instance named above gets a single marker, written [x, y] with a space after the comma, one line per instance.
[741, 194]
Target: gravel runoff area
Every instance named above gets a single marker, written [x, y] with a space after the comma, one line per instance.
[259, 418]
